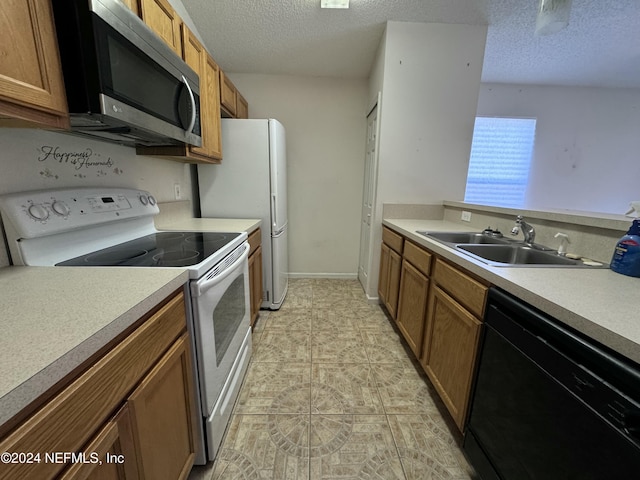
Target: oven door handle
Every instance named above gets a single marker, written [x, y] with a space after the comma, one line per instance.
[200, 287]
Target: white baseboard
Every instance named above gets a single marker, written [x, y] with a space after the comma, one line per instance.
[338, 276]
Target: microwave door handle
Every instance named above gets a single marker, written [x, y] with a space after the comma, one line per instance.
[192, 122]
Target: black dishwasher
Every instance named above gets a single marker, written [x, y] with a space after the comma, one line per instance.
[549, 403]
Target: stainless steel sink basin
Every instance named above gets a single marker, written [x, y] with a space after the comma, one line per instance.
[504, 252]
[464, 237]
[500, 255]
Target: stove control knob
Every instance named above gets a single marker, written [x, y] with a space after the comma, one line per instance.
[152, 200]
[144, 200]
[38, 212]
[60, 208]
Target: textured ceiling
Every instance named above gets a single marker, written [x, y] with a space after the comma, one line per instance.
[601, 46]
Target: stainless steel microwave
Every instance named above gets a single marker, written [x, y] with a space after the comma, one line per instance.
[123, 83]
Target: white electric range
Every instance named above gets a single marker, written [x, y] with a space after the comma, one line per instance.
[114, 227]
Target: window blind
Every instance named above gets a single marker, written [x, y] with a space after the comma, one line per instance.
[500, 161]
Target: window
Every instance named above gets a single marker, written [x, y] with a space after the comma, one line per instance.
[500, 160]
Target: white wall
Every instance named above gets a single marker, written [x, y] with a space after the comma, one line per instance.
[431, 81]
[587, 146]
[39, 159]
[430, 84]
[326, 128]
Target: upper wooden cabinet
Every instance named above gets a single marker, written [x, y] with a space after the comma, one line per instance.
[232, 103]
[196, 56]
[160, 16]
[213, 124]
[31, 85]
[227, 95]
[242, 106]
[133, 5]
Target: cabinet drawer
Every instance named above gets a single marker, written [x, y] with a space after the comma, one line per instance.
[72, 417]
[255, 239]
[466, 290]
[392, 239]
[420, 258]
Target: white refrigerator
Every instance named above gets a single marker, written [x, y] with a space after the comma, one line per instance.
[251, 182]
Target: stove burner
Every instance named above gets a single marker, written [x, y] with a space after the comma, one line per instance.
[168, 236]
[122, 256]
[176, 258]
[211, 237]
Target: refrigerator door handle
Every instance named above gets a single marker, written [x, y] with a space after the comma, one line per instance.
[274, 218]
[277, 233]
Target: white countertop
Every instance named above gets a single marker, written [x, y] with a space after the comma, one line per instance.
[212, 224]
[55, 318]
[597, 302]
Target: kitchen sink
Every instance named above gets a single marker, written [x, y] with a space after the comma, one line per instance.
[517, 255]
[464, 237]
[505, 252]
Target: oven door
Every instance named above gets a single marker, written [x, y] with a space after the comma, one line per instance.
[221, 319]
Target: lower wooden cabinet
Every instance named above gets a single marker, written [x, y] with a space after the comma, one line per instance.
[439, 314]
[114, 447]
[255, 274]
[390, 270]
[412, 308]
[449, 352]
[147, 380]
[163, 416]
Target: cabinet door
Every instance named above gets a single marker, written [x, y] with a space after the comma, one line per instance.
[383, 277]
[163, 416]
[255, 279]
[162, 19]
[242, 106]
[227, 95]
[195, 56]
[31, 84]
[393, 288]
[114, 448]
[211, 91]
[412, 306]
[450, 345]
[133, 5]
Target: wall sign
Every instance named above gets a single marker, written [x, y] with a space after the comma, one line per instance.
[86, 163]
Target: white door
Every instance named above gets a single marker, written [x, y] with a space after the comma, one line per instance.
[368, 196]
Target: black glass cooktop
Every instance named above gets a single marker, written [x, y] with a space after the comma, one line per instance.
[162, 249]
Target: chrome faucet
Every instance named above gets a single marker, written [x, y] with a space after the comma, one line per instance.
[527, 230]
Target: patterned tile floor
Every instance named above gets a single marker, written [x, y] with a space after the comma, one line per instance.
[332, 392]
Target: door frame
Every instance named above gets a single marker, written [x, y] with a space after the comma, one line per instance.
[367, 240]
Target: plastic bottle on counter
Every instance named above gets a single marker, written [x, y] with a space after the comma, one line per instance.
[626, 256]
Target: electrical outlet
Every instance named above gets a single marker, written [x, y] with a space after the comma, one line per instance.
[466, 216]
[176, 191]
